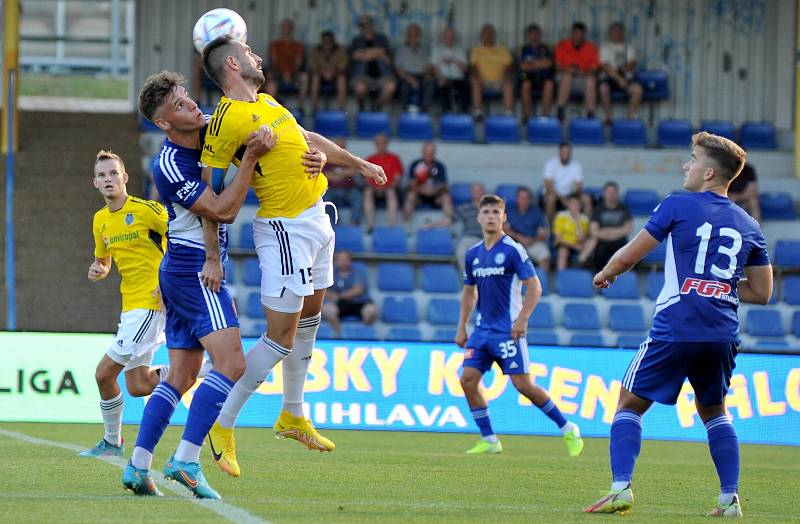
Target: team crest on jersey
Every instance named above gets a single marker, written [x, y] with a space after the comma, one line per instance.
[476, 262]
[499, 258]
[128, 219]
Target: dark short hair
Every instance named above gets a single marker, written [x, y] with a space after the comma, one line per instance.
[328, 34]
[492, 200]
[155, 91]
[579, 25]
[523, 189]
[574, 196]
[610, 183]
[565, 144]
[214, 58]
[533, 27]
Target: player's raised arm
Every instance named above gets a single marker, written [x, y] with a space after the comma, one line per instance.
[469, 296]
[342, 157]
[757, 287]
[624, 259]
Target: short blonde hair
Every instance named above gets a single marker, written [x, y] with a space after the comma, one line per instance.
[726, 154]
[492, 200]
[108, 155]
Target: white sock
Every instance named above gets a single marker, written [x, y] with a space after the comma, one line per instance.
[162, 371]
[141, 458]
[112, 419]
[491, 439]
[260, 360]
[566, 428]
[187, 452]
[295, 366]
[619, 486]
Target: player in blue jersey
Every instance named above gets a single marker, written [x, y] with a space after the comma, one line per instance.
[495, 270]
[199, 310]
[711, 244]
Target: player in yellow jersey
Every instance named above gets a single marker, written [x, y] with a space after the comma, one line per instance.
[293, 237]
[131, 232]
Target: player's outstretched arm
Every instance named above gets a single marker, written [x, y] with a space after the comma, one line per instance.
[624, 259]
[342, 157]
[99, 269]
[469, 296]
[757, 287]
[519, 328]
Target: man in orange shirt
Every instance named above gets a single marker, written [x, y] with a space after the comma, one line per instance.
[577, 61]
[393, 167]
[286, 73]
[491, 65]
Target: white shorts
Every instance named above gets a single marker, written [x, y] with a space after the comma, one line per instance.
[295, 253]
[140, 334]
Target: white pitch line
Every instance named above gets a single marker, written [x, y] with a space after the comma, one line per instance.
[221, 508]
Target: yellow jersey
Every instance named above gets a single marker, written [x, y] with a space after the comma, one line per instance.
[567, 227]
[135, 237]
[280, 181]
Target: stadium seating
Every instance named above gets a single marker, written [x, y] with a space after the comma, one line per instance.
[641, 202]
[758, 135]
[331, 123]
[777, 205]
[502, 129]
[246, 236]
[544, 280]
[297, 113]
[349, 238]
[389, 240]
[655, 281]
[399, 310]
[254, 307]
[251, 199]
[586, 132]
[580, 316]
[630, 341]
[252, 272]
[587, 340]
[719, 127]
[325, 331]
[674, 133]
[770, 344]
[655, 84]
[626, 317]
[796, 324]
[443, 311]
[439, 278]
[410, 334]
[371, 123]
[787, 254]
[628, 133]
[415, 126]
[456, 127]
[544, 130]
[357, 331]
[542, 317]
[657, 255]
[790, 292]
[625, 287]
[395, 276]
[542, 338]
[508, 192]
[444, 335]
[574, 283]
[231, 273]
[460, 192]
[764, 322]
[437, 241]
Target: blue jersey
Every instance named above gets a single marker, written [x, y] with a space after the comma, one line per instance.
[498, 274]
[709, 242]
[177, 174]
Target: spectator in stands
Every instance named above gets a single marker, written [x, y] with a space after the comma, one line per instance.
[467, 214]
[427, 181]
[527, 225]
[371, 65]
[344, 188]
[491, 72]
[349, 295]
[744, 191]
[571, 231]
[412, 63]
[618, 66]
[449, 63]
[609, 228]
[327, 64]
[563, 176]
[286, 74]
[535, 72]
[393, 167]
[577, 62]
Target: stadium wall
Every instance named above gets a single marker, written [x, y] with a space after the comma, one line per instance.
[727, 59]
[411, 387]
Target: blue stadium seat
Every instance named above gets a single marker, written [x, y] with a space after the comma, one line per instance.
[252, 329]
[796, 324]
[628, 132]
[460, 192]
[674, 133]
[641, 202]
[544, 130]
[444, 335]
[719, 127]
[246, 236]
[502, 128]
[626, 287]
[790, 292]
[657, 255]
[456, 127]
[630, 341]
[758, 135]
[787, 253]
[251, 199]
[593, 340]
[399, 310]
[777, 205]
[764, 322]
[508, 192]
[440, 278]
[544, 279]
[542, 317]
[254, 307]
[252, 272]
[415, 126]
[655, 281]
[655, 84]
[389, 240]
[770, 344]
[356, 331]
[443, 311]
[349, 238]
[586, 132]
[325, 332]
[371, 123]
[331, 123]
[574, 283]
[542, 338]
[231, 273]
[437, 241]
[395, 276]
[297, 113]
[580, 316]
[626, 317]
[409, 334]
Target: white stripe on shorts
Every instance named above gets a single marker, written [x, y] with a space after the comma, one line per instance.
[633, 367]
[214, 309]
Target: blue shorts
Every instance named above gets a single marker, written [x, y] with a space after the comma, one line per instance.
[485, 347]
[193, 311]
[658, 370]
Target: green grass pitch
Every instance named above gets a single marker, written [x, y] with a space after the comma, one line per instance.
[390, 477]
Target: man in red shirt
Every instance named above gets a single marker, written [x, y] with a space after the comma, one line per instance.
[393, 167]
[286, 74]
[577, 61]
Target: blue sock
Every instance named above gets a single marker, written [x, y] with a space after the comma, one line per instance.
[724, 446]
[551, 410]
[626, 442]
[481, 416]
[206, 403]
[155, 419]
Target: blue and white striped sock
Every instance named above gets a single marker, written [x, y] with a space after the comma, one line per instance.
[155, 419]
[206, 404]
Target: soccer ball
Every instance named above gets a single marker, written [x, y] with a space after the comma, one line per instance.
[215, 23]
